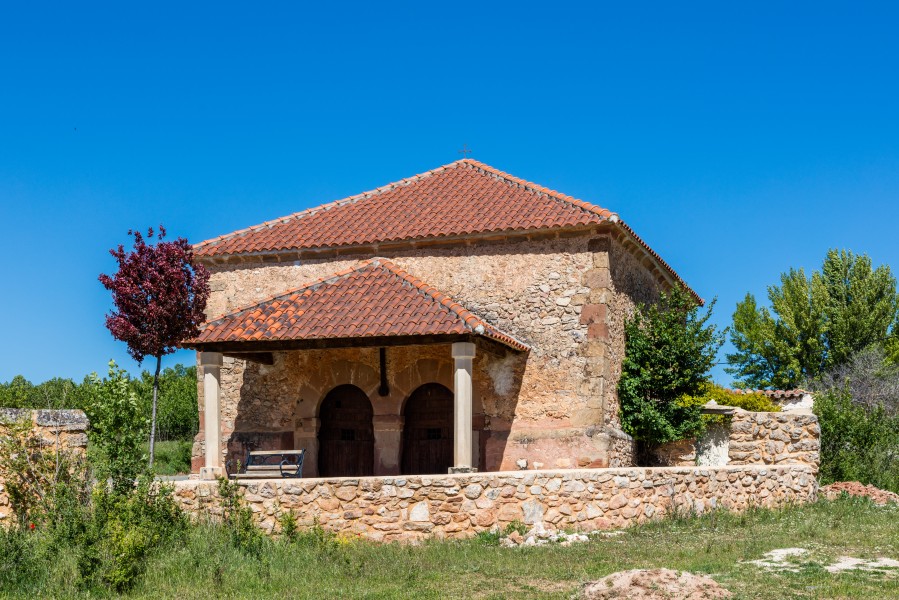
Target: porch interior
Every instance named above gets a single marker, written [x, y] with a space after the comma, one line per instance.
[361, 410]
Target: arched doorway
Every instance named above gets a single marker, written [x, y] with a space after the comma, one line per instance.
[428, 431]
[346, 439]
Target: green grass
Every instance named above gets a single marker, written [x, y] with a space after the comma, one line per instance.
[206, 564]
[172, 457]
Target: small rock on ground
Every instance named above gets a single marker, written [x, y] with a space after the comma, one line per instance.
[654, 584]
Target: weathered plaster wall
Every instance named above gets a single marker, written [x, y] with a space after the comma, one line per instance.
[63, 429]
[415, 507]
[567, 298]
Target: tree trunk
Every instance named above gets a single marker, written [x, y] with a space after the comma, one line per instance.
[153, 417]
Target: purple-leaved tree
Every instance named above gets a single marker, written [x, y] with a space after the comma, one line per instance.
[159, 296]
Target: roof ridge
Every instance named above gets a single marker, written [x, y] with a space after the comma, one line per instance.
[327, 206]
[536, 187]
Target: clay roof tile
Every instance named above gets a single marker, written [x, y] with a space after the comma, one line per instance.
[376, 298]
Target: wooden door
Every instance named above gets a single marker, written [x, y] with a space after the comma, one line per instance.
[428, 431]
[346, 439]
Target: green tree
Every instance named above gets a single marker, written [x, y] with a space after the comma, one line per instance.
[861, 304]
[17, 393]
[670, 349]
[815, 322]
[118, 427]
[178, 416]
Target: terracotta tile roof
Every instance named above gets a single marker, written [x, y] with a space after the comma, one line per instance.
[374, 299]
[464, 197]
[460, 199]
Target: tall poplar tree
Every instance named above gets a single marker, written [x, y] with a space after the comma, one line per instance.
[814, 323]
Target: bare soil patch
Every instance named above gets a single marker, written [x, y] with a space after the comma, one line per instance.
[654, 584]
[854, 488]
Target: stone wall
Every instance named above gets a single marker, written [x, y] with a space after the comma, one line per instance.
[415, 507]
[750, 438]
[775, 439]
[65, 429]
[556, 407]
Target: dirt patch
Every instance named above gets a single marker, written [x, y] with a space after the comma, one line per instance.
[786, 559]
[780, 559]
[654, 584]
[848, 563]
[854, 488]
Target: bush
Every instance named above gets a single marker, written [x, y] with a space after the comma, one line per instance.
[670, 349]
[238, 520]
[753, 402]
[123, 530]
[858, 443]
[118, 427]
[21, 565]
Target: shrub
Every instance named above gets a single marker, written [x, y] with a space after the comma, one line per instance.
[754, 402]
[118, 428]
[670, 349]
[42, 479]
[858, 443]
[237, 518]
[21, 565]
[516, 526]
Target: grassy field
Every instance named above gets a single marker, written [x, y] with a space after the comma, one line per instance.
[207, 564]
[172, 457]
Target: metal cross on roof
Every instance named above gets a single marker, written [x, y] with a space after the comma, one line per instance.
[465, 151]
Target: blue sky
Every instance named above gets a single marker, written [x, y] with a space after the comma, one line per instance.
[737, 140]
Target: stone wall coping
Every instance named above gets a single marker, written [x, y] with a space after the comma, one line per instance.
[585, 474]
[75, 419]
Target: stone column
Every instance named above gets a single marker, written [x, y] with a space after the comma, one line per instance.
[305, 437]
[463, 353]
[211, 363]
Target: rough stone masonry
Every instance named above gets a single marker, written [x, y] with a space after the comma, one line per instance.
[411, 508]
[774, 461]
[64, 430]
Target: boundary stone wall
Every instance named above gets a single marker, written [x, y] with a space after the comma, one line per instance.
[774, 439]
[752, 438]
[414, 507]
[68, 428]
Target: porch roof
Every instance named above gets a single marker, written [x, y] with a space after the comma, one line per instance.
[373, 304]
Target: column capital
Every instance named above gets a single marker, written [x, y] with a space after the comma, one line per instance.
[463, 350]
[210, 359]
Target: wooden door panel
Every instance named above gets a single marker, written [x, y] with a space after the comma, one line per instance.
[428, 431]
[346, 435]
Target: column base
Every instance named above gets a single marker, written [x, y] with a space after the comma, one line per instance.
[211, 473]
[453, 470]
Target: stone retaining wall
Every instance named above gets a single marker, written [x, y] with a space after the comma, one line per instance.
[411, 508]
[774, 439]
[750, 438]
[67, 428]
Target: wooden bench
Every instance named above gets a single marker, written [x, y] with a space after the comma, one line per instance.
[272, 464]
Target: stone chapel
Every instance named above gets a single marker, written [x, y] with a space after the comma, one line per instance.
[462, 319]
